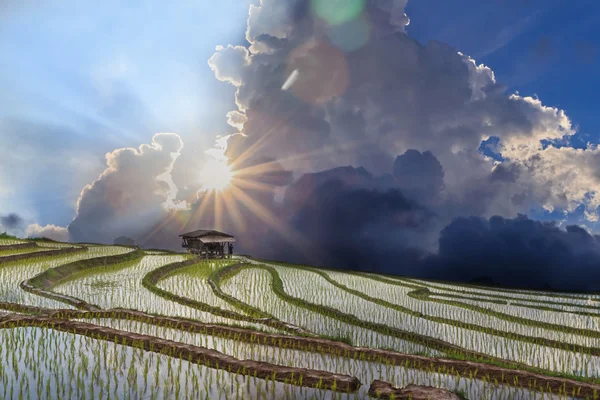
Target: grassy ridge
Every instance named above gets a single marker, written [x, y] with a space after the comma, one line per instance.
[195, 354]
[454, 352]
[222, 274]
[42, 254]
[501, 299]
[454, 368]
[43, 283]
[422, 293]
[151, 280]
[433, 343]
[15, 246]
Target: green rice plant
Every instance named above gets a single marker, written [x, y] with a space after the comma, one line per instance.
[510, 329]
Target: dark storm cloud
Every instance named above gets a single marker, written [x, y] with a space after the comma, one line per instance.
[354, 222]
[301, 191]
[518, 252]
[350, 218]
[356, 227]
[11, 221]
[419, 174]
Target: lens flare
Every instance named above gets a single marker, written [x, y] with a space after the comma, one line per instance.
[291, 80]
[350, 36]
[336, 12]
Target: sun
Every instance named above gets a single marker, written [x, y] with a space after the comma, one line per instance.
[216, 175]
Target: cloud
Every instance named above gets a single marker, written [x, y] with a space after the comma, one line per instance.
[419, 174]
[133, 192]
[518, 252]
[53, 232]
[565, 178]
[352, 219]
[381, 99]
[10, 221]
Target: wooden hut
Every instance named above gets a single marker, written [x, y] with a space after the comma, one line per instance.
[208, 243]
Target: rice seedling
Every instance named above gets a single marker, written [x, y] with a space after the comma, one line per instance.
[299, 283]
[100, 369]
[13, 273]
[91, 286]
[553, 334]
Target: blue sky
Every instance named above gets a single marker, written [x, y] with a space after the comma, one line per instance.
[548, 48]
[544, 48]
[80, 80]
[89, 77]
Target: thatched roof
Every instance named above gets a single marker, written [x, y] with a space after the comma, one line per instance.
[209, 236]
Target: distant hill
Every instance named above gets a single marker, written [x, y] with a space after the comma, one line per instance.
[124, 241]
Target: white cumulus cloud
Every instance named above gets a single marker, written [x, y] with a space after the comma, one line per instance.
[53, 232]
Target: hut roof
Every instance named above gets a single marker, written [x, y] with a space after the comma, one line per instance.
[209, 236]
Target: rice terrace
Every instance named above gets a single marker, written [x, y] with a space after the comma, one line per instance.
[300, 199]
[101, 321]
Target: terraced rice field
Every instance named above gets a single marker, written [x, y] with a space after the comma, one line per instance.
[94, 321]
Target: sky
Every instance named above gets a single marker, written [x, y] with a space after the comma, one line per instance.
[546, 48]
[80, 80]
[421, 122]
